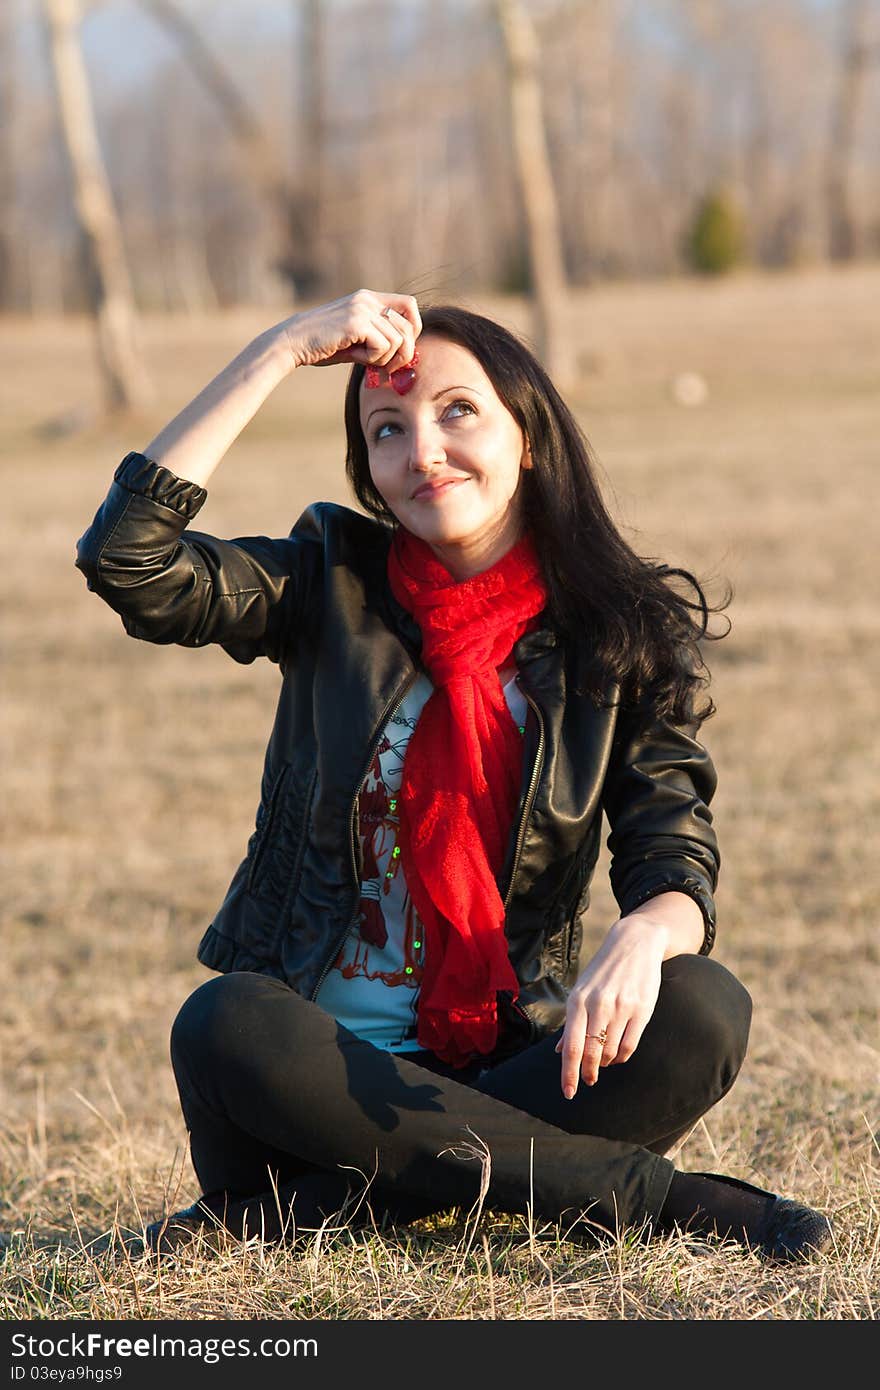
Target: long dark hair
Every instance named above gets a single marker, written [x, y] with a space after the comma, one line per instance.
[643, 631]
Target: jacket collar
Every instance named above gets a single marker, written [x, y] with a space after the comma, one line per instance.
[538, 643]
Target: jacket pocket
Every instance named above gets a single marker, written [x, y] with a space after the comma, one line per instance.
[264, 829]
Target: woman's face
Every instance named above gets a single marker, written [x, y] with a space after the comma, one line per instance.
[447, 457]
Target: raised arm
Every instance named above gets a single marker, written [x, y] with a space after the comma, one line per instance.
[363, 327]
[170, 584]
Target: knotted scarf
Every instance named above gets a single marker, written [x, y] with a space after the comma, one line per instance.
[460, 785]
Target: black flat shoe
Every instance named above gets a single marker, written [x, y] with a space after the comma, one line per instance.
[790, 1230]
[795, 1232]
[204, 1219]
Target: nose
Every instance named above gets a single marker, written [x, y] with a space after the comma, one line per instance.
[426, 447]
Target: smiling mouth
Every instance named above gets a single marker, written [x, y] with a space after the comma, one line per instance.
[433, 489]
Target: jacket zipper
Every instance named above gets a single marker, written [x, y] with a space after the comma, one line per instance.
[530, 796]
[393, 705]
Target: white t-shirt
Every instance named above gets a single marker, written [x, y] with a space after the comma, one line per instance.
[372, 987]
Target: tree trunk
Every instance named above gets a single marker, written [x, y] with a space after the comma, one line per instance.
[262, 160]
[590, 31]
[309, 250]
[8, 200]
[537, 190]
[126, 383]
[847, 102]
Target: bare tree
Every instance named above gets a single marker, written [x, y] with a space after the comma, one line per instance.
[582, 86]
[7, 155]
[537, 189]
[262, 158]
[308, 203]
[857, 54]
[127, 386]
[388, 144]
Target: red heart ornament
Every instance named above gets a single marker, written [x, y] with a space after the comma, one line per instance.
[403, 380]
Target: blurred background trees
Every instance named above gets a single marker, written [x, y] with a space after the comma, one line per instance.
[261, 150]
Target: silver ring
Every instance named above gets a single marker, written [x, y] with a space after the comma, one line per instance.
[387, 312]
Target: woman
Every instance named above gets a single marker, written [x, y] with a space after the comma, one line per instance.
[472, 673]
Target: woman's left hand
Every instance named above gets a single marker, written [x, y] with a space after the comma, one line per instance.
[615, 995]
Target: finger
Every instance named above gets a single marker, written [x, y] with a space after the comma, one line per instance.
[594, 1047]
[393, 334]
[612, 1044]
[407, 348]
[632, 1036]
[571, 1046]
[377, 346]
[377, 334]
[407, 307]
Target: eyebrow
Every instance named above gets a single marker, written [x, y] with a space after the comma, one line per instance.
[444, 392]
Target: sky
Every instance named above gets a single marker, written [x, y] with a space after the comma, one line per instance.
[123, 43]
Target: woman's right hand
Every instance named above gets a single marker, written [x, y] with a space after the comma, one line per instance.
[376, 329]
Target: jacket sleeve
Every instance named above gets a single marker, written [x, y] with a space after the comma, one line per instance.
[657, 790]
[173, 585]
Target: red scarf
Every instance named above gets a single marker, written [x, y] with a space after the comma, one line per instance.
[460, 786]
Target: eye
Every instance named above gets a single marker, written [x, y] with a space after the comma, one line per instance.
[461, 407]
[379, 432]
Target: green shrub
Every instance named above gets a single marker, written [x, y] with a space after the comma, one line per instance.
[717, 237]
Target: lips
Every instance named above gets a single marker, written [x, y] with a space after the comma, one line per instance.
[435, 488]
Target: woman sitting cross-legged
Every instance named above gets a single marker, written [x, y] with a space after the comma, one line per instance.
[474, 669]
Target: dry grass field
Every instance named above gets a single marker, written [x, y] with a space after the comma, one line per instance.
[130, 778]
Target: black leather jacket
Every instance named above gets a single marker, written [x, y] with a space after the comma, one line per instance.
[318, 604]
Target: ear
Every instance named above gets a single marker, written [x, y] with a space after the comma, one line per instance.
[527, 461]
